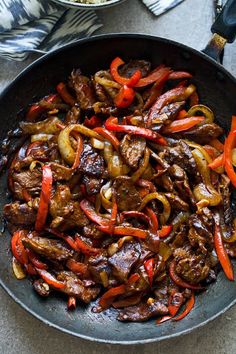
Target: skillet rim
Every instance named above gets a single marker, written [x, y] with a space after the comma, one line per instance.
[25, 72]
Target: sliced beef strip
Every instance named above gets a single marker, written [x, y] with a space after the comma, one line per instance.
[92, 184]
[193, 268]
[202, 134]
[91, 163]
[132, 150]
[225, 192]
[129, 69]
[123, 261]
[75, 287]
[167, 114]
[60, 172]
[19, 214]
[142, 312]
[200, 233]
[127, 196]
[83, 88]
[98, 264]
[181, 155]
[41, 287]
[181, 183]
[29, 181]
[176, 202]
[101, 93]
[66, 214]
[48, 248]
[91, 231]
[73, 115]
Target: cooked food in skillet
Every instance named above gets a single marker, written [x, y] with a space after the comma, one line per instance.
[121, 193]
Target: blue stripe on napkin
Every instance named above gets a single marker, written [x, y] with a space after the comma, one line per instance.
[158, 7]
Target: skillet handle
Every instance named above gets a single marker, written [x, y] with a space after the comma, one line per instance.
[224, 29]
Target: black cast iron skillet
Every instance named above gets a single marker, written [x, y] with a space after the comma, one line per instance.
[217, 90]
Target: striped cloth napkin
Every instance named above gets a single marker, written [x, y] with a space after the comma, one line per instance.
[41, 26]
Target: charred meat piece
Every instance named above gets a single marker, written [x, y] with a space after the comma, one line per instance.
[48, 248]
[66, 213]
[142, 312]
[127, 196]
[91, 163]
[19, 214]
[101, 93]
[132, 150]
[182, 183]
[60, 172]
[73, 115]
[92, 185]
[98, 264]
[191, 267]
[75, 287]
[83, 89]
[200, 233]
[203, 133]
[181, 155]
[124, 260]
[225, 192]
[91, 231]
[29, 181]
[41, 287]
[167, 114]
[129, 69]
[176, 202]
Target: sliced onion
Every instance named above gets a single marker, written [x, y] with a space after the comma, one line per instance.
[189, 90]
[17, 269]
[41, 137]
[104, 278]
[106, 194]
[200, 148]
[108, 151]
[47, 126]
[166, 205]
[103, 78]
[115, 166]
[34, 164]
[124, 239]
[97, 144]
[201, 109]
[112, 249]
[164, 251]
[64, 144]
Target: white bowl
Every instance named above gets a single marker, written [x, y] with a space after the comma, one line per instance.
[79, 5]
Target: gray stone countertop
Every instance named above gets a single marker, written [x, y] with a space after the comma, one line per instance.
[20, 333]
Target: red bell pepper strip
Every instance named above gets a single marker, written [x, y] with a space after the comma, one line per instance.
[112, 124]
[149, 266]
[212, 152]
[228, 147]
[34, 259]
[222, 254]
[163, 319]
[45, 196]
[165, 231]
[107, 298]
[71, 242]
[176, 75]
[108, 136]
[189, 306]
[175, 301]
[93, 122]
[85, 248]
[134, 214]
[178, 281]
[71, 305]
[33, 146]
[36, 110]
[154, 220]
[194, 99]
[133, 278]
[218, 162]
[114, 212]
[65, 95]
[77, 267]
[182, 114]
[91, 214]
[182, 124]
[17, 247]
[156, 91]
[79, 151]
[155, 76]
[132, 81]
[125, 97]
[125, 230]
[50, 279]
[217, 145]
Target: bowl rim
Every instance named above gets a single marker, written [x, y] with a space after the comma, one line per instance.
[78, 5]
